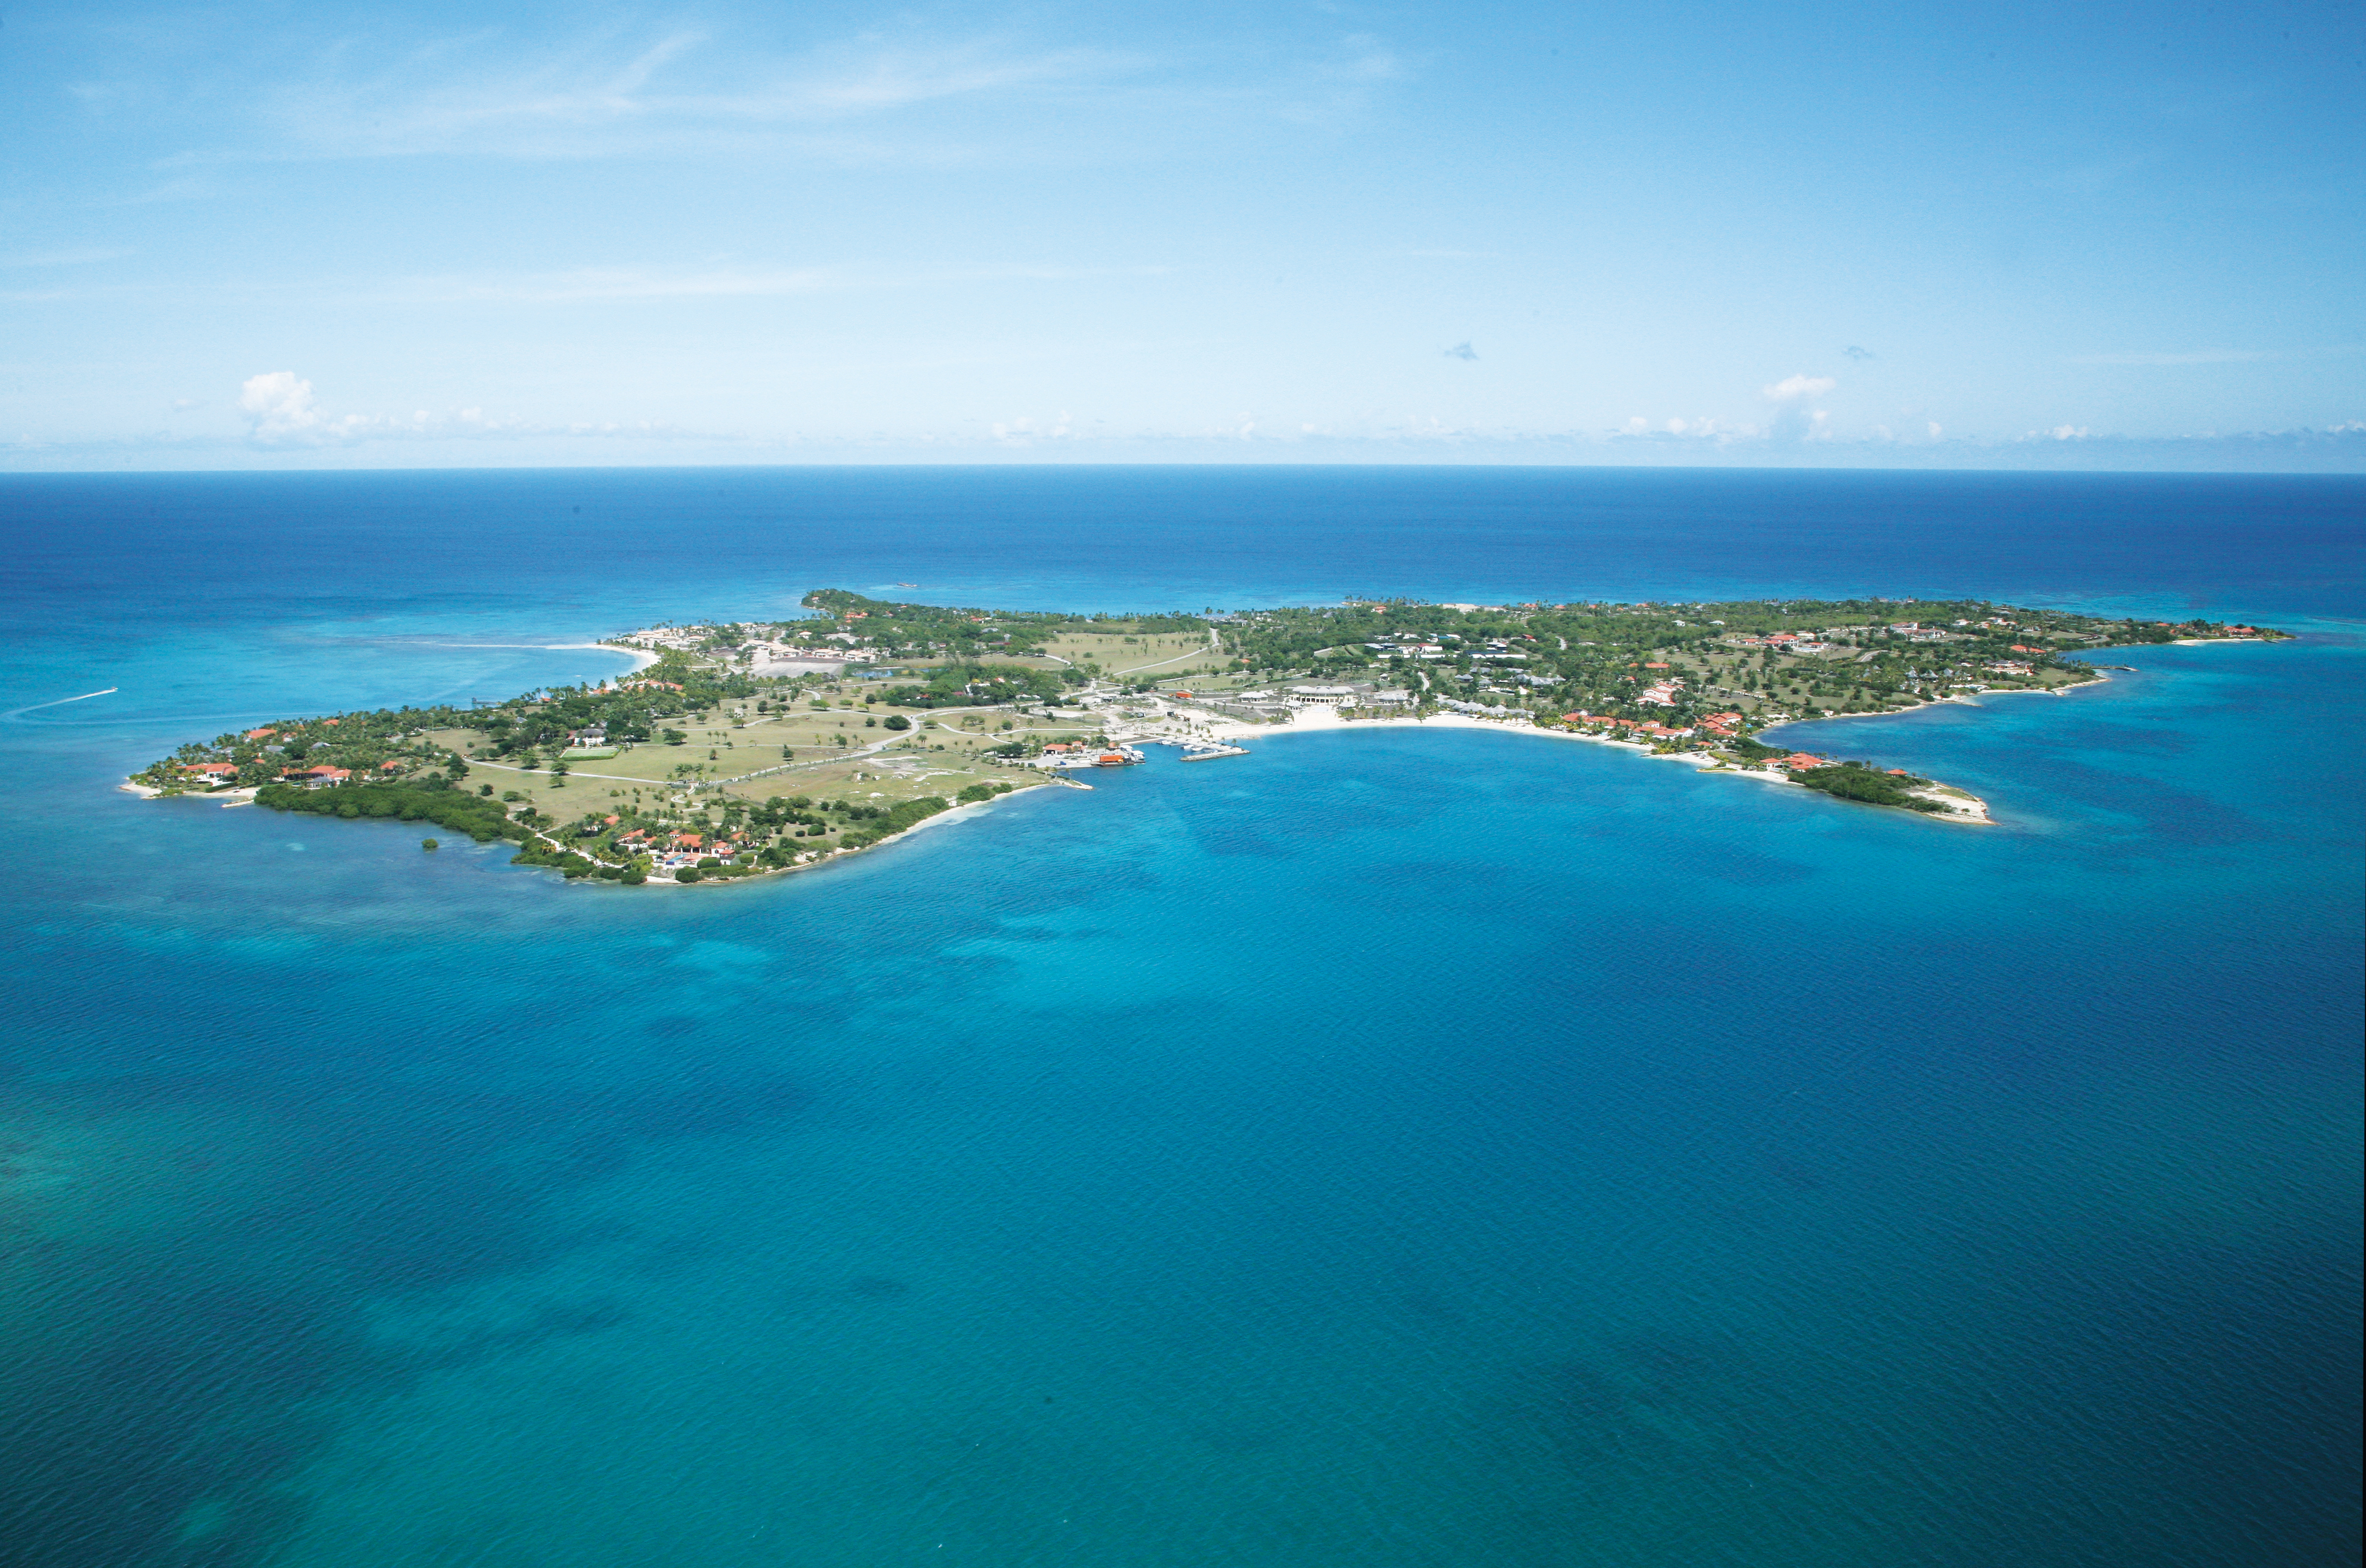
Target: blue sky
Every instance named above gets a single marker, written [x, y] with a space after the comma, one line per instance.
[307, 235]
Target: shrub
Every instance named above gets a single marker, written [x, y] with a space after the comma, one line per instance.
[479, 819]
[429, 844]
[897, 721]
[687, 874]
[1855, 782]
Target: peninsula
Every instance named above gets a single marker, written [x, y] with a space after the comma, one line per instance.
[746, 747]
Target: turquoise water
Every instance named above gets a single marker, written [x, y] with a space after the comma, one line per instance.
[1397, 1148]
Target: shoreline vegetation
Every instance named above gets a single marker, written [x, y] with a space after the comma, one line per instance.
[745, 748]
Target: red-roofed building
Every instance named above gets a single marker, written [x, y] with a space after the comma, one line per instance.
[1799, 761]
[260, 734]
[210, 770]
[388, 767]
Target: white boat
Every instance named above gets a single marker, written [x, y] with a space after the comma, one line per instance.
[1205, 750]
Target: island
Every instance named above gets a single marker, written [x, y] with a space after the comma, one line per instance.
[739, 748]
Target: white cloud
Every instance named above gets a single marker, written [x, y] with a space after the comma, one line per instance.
[277, 406]
[606, 95]
[66, 258]
[280, 410]
[653, 283]
[1793, 387]
[904, 91]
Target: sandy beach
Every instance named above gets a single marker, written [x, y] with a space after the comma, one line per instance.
[1963, 807]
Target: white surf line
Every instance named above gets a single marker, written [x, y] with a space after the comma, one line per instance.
[61, 702]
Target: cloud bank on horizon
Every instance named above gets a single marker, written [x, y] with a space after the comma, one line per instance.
[448, 235]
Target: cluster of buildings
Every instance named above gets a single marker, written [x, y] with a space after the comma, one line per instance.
[1274, 704]
[218, 773]
[671, 851]
[1725, 726]
[1420, 644]
[1651, 728]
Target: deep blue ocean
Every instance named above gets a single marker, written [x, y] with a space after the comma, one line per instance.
[1405, 1148]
